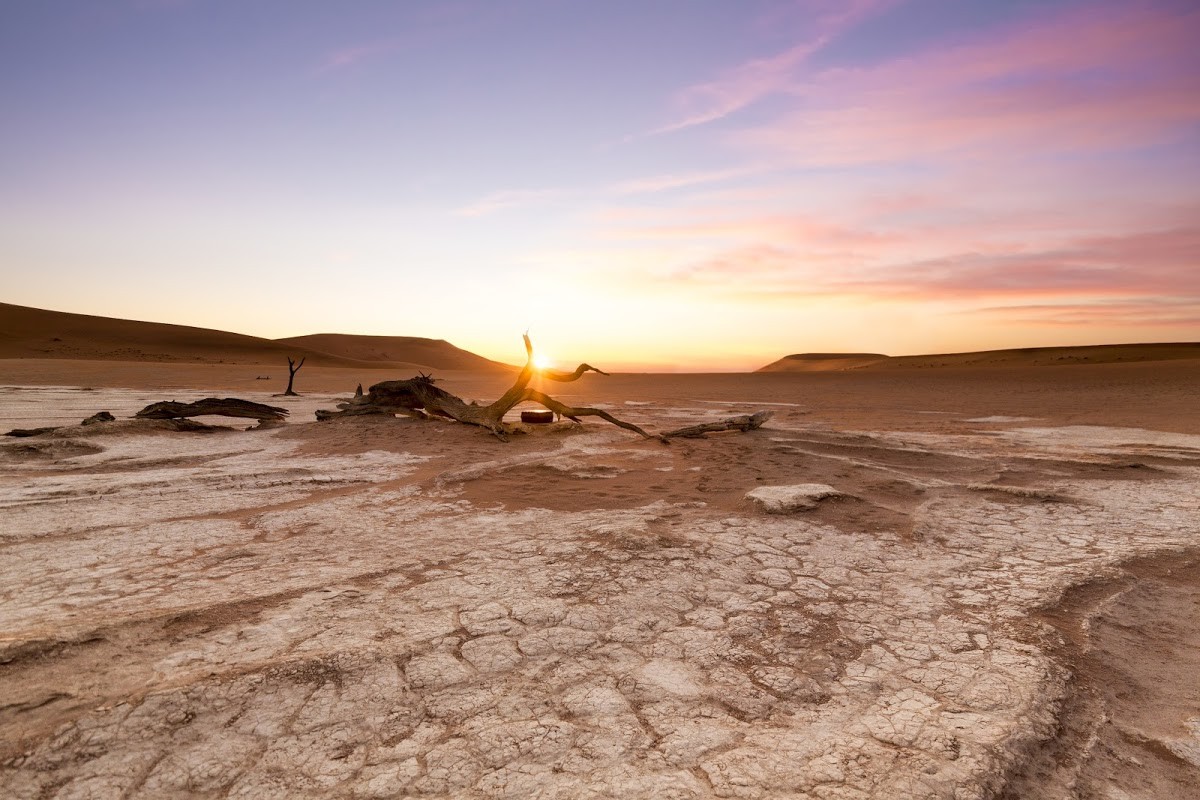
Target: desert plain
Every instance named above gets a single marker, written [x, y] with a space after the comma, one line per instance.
[960, 580]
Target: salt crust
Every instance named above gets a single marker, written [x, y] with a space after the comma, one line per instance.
[786, 499]
[395, 641]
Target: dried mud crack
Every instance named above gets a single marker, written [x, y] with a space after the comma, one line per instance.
[328, 611]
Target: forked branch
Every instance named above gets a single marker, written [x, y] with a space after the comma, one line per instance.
[419, 397]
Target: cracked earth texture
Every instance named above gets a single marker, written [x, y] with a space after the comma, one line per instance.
[388, 608]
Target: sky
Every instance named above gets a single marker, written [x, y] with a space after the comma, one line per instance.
[665, 185]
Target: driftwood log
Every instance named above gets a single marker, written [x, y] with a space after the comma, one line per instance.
[745, 422]
[26, 432]
[419, 397]
[212, 406]
[100, 416]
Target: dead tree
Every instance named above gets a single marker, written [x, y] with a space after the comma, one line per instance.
[293, 368]
[100, 416]
[419, 397]
[743, 423]
[213, 406]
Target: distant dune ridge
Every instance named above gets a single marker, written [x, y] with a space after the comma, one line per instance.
[33, 333]
[434, 352]
[1018, 357]
[37, 333]
[823, 362]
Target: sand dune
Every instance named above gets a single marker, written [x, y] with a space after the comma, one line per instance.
[413, 349]
[37, 333]
[823, 362]
[1017, 357]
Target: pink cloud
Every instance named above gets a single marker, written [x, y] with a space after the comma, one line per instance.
[789, 228]
[1140, 313]
[1108, 78]
[995, 199]
[1138, 265]
[662, 183]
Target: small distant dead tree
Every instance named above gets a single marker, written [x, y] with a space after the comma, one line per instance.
[293, 368]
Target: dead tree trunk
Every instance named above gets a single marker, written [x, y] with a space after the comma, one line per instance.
[293, 368]
[419, 397]
[743, 423]
[213, 406]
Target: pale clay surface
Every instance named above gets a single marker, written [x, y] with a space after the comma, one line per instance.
[786, 499]
[227, 616]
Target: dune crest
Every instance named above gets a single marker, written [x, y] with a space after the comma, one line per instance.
[1014, 357]
[38, 333]
[823, 362]
[415, 349]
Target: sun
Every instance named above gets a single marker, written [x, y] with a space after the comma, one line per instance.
[542, 361]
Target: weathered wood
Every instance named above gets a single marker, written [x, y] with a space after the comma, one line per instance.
[99, 416]
[22, 433]
[574, 414]
[745, 422]
[347, 410]
[190, 426]
[178, 424]
[212, 406]
[420, 395]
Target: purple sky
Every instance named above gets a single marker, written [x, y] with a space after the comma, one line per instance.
[688, 184]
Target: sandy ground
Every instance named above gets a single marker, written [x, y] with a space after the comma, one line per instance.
[1001, 599]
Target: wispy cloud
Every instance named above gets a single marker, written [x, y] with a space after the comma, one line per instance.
[1130, 268]
[505, 200]
[662, 183]
[742, 86]
[350, 55]
[1036, 174]
[748, 83]
[1153, 312]
[1114, 77]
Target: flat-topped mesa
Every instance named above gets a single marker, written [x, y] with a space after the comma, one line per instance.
[213, 406]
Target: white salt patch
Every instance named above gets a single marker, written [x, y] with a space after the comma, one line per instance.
[1097, 438]
[1188, 749]
[785, 499]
